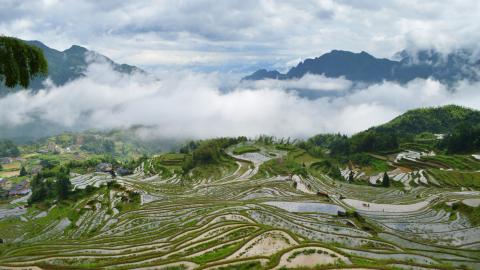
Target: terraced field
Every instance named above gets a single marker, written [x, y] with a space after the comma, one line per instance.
[238, 220]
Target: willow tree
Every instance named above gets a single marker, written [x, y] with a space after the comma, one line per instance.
[20, 62]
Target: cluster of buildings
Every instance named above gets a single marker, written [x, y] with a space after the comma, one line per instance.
[11, 188]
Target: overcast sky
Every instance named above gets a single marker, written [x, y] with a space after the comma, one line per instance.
[242, 35]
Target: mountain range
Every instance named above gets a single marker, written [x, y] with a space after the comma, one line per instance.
[363, 67]
[68, 65]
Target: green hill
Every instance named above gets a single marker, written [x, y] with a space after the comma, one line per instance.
[434, 119]
[413, 127]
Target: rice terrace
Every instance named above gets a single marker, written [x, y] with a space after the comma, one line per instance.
[252, 204]
[239, 135]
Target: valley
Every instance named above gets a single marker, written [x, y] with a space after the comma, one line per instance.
[258, 204]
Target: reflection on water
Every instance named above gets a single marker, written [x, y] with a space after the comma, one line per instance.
[324, 208]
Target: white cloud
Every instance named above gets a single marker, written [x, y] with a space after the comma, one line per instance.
[307, 82]
[245, 32]
[189, 105]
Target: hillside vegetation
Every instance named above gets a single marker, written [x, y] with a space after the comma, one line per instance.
[379, 199]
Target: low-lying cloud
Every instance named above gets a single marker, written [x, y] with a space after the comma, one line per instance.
[308, 82]
[191, 105]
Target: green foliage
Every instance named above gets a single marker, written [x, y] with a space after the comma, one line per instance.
[3, 193]
[265, 139]
[8, 149]
[434, 120]
[456, 178]
[20, 62]
[97, 145]
[134, 163]
[49, 184]
[465, 138]
[189, 147]
[255, 265]
[350, 176]
[374, 141]
[65, 139]
[297, 161]
[92, 162]
[63, 186]
[327, 167]
[282, 166]
[341, 147]
[49, 162]
[369, 163]
[472, 213]
[166, 164]
[385, 180]
[459, 162]
[209, 152]
[337, 144]
[413, 126]
[245, 149]
[23, 171]
[216, 254]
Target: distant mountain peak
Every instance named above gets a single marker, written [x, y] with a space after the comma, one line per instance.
[364, 67]
[76, 49]
[68, 65]
[264, 74]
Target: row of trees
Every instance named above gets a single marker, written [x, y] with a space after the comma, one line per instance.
[207, 151]
[342, 147]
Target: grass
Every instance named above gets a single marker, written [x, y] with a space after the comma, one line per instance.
[418, 146]
[14, 166]
[376, 166]
[472, 213]
[6, 174]
[17, 179]
[302, 157]
[297, 161]
[280, 167]
[214, 171]
[243, 266]
[245, 149]
[166, 165]
[216, 254]
[456, 178]
[459, 162]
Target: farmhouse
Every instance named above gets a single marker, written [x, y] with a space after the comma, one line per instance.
[104, 167]
[6, 160]
[20, 189]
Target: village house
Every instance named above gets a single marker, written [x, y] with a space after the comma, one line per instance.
[20, 189]
[104, 167]
[6, 160]
[36, 169]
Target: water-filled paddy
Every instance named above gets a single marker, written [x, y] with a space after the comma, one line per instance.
[311, 207]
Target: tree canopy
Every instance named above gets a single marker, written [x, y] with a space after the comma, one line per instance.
[20, 62]
[385, 180]
[8, 149]
[464, 139]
